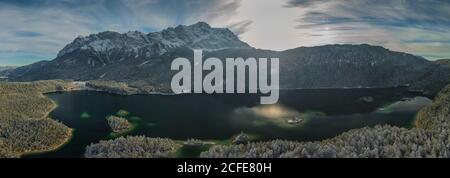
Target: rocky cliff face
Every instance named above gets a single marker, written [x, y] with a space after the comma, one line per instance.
[109, 47]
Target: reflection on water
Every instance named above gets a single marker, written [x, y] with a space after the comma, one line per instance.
[279, 115]
[326, 113]
[275, 111]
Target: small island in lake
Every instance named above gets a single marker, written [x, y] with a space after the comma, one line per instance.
[295, 120]
[118, 124]
[242, 138]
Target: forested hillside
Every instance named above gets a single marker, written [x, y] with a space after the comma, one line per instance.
[133, 147]
[24, 124]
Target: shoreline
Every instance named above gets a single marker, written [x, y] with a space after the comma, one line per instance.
[162, 93]
[112, 136]
[54, 147]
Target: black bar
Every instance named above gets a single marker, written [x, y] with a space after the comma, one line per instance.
[170, 167]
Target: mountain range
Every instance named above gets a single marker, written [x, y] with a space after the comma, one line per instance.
[143, 61]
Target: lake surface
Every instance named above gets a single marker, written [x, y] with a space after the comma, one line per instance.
[325, 112]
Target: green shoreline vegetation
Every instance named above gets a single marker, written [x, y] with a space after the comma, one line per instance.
[133, 147]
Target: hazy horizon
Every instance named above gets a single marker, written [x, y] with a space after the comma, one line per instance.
[36, 30]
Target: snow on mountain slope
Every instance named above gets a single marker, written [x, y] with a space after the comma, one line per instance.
[135, 43]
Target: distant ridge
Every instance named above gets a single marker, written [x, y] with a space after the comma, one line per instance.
[143, 61]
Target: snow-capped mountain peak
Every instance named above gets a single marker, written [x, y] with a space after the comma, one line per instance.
[197, 36]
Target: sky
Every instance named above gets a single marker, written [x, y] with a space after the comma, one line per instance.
[33, 30]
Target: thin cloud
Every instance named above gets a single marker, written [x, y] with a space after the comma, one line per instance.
[43, 27]
[397, 24]
[40, 28]
[21, 33]
[240, 28]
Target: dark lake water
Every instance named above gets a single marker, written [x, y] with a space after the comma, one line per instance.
[218, 117]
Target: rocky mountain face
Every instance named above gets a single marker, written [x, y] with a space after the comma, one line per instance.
[110, 47]
[111, 55]
[143, 61]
